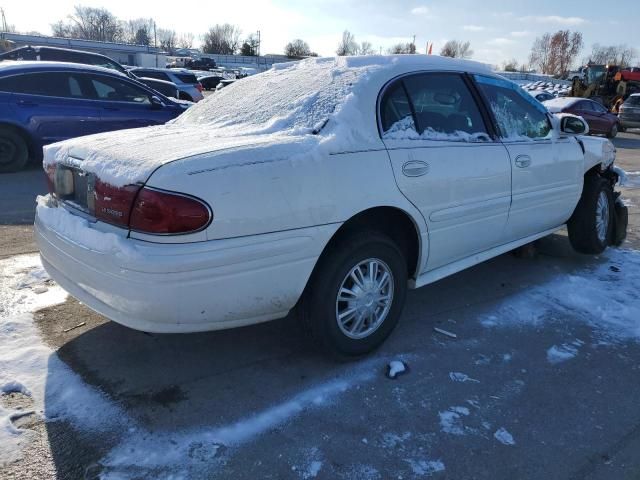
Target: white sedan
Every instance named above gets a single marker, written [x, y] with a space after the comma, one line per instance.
[331, 185]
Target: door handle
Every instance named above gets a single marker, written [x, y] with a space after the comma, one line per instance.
[111, 109]
[523, 161]
[415, 168]
[26, 103]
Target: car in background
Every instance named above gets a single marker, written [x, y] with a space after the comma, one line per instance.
[541, 95]
[54, 54]
[629, 113]
[200, 64]
[224, 83]
[46, 102]
[188, 86]
[210, 82]
[168, 89]
[599, 119]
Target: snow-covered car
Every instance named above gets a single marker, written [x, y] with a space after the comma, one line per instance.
[541, 95]
[331, 186]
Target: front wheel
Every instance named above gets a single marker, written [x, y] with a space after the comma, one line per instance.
[613, 132]
[591, 225]
[356, 295]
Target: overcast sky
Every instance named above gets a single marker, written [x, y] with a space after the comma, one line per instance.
[497, 29]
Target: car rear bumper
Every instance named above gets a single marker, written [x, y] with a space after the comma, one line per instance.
[180, 288]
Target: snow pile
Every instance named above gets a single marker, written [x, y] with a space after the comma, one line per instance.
[461, 377]
[32, 369]
[78, 230]
[425, 467]
[451, 420]
[605, 298]
[504, 437]
[405, 129]
[564, 352]
[395, 368]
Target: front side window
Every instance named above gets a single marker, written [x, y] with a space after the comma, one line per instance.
[439, 106]
[116, 90]
[518, 115]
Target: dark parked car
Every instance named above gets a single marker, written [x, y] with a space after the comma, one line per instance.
[45, 102]
[209, 82]
[600, 120]
[53, 54]
[630, 112]
[168, 89]
[201, 64]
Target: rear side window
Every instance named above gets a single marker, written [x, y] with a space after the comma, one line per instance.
[585, 106]
[186, 77]
[432, 106]
[518, 115]
[50, 84]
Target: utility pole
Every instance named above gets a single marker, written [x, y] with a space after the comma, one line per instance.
[4, 20]
[258, 43]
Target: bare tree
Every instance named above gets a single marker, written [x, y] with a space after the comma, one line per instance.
[621, 55]
[456, 49]
[366, 48]
[167, 40]
[185, 40]
[553, 54]
[222, 39]
[348, 44]
[90, 24]
[297, 48]
[402, 48]
[510, 65]
[250, 46]
[137, 31]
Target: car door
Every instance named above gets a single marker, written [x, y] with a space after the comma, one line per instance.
[446, 163]
[54, 106]
[546, 168]
[123, 104]
[606, 120]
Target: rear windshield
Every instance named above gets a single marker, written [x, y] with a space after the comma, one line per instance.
[186, 77]
[634, 101]
[298, 97]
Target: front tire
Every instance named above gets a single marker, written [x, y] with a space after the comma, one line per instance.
[591, 225]
[356, 295]
[14, 152]
[613, 132]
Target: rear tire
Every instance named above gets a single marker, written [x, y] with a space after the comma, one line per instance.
[333, 292]
[591, 225]
[14, 151]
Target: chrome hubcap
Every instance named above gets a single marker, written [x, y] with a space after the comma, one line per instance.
[364, 298]
[602, 216]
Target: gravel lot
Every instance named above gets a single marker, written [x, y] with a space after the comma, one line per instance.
[532, 386]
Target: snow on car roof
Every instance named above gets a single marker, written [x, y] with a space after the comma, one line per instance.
[558, 104]
[300, 97]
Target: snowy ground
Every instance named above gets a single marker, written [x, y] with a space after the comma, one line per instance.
[542, 380]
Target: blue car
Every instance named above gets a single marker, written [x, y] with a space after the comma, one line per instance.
[46, 102]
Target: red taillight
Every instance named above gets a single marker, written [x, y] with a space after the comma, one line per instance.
[112, 204]
[158, 212]
[199, 87]
[50, 172]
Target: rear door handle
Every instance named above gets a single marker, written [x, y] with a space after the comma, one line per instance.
[112, 109]
[523, 161]
[415, 168]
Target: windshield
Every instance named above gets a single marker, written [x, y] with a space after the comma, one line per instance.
[297, 97]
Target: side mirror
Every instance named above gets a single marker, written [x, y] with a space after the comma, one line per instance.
[156, 103]
[573, 125]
